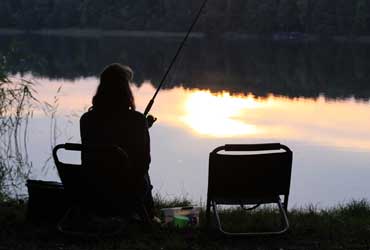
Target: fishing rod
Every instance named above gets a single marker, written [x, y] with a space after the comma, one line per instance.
[151, 102]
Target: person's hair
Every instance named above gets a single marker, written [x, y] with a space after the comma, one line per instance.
[113, 92]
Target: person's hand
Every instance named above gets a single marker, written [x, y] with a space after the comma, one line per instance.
[150, 119]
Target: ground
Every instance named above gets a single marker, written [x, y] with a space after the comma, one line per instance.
[341, 227]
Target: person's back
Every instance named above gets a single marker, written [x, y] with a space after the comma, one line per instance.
[127, 130]
[112, 120]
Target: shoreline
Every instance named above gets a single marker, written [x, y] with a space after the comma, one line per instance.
[275, 37]
[95, 33]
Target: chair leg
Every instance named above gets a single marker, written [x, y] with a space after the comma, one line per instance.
[144, 214]
[208, 214]
[60, 224]
[283, 215]
[214, 206]
[286, 197]
[283, 212]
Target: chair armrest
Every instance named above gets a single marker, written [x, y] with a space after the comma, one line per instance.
[73, 146]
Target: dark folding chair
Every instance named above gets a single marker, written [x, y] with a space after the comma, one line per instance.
[258, 176]
[99, 184]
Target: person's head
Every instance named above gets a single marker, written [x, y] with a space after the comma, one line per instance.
[113, 92]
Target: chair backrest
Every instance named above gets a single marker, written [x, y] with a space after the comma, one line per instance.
[99, 180]
[70, 174]
[262, 172]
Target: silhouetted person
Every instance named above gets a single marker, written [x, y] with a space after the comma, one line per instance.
[112, 120]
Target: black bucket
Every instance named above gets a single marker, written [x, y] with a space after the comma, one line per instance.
[47, 201]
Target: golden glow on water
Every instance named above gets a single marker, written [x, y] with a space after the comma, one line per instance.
[218, 115]
[343, 124]
[201, 113]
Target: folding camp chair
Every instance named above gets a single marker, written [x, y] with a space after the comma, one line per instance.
[92, 187]
[258, 176]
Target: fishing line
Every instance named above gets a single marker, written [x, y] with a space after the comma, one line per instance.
[151, 102]
[173, 77]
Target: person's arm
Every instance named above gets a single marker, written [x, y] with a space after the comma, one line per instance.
[83, 128]
[147, 144]
[83, 134]
[142, 156]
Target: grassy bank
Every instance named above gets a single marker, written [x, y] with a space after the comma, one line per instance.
[341, 227]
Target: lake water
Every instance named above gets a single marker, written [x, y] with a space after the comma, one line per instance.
[313, 98]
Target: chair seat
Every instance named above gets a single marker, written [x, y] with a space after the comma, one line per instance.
[230, 200]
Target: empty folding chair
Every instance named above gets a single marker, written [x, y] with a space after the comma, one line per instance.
[259, 175]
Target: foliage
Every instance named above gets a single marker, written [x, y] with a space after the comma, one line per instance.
[323, 17]
[288, 16]
[161, 202]
[16, 99]
[362, 17]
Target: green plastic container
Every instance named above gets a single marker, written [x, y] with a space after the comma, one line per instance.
[180, 221]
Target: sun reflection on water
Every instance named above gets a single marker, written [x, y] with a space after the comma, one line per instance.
[219, 115]
[334, 123]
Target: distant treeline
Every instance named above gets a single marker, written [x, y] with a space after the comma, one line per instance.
[288, 69]
[322, 17]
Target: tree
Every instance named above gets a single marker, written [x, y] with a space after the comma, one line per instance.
[362, 17]
[91, 11]
[250, 16]
[305, 14]
[345, 11]
[5, 14]
[266, 16]
[324, 17]
[288, 16]
[64, 14]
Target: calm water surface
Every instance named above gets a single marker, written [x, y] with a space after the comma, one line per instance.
[330, 137]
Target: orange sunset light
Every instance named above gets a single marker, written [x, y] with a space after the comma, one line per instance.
[219, 115]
